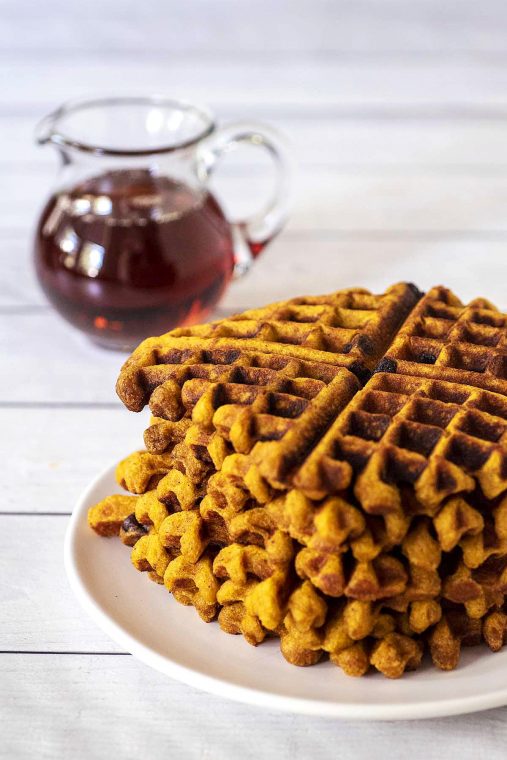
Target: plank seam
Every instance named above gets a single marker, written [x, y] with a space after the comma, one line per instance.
[12, 513]
[430, 111]
[64, 652]
[61, 405]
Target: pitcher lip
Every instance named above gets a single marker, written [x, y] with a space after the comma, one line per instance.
[47, 131]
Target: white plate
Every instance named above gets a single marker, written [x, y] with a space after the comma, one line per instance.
[143, 618]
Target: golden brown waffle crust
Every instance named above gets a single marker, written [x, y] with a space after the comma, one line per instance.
[350, 328]
[444, 339]
[436, 337]
[305, 423]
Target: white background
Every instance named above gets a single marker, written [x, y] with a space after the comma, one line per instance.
[397, 114]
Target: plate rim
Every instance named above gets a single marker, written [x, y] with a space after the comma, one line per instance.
[247, 695]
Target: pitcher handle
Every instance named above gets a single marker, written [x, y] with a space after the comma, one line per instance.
[251, 235]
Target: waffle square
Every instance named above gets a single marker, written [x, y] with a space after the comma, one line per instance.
[443, 339]
[439, 437]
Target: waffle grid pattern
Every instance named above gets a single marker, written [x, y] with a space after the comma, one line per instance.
[445, 340]
[269, 338]
[367, 525]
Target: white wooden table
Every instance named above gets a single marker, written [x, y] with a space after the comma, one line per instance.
[397, 112]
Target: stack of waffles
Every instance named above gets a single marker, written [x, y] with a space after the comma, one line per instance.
[328, 470]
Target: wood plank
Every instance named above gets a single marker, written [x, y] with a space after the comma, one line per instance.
[326, 199]
[375, 146]
[56, 363]
[326, 85]
[470, 263]
[55, 452]
[363, 27]
[314, 266]
[39, 611]
[111, 706]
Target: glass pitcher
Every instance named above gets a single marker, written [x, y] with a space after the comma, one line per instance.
[132, 242]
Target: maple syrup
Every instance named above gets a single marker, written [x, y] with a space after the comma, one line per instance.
[129, 254]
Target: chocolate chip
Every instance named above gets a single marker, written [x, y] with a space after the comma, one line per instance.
[130, 523]
[132, 530]
[426, 358]
[365, 344]
[386, 365]
[362, 374]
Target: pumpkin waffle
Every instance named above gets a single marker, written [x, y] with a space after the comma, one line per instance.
[234, 416]
[384, 596]
[254, 425]
[356, 636]
[248, 396]
[141, 471]
[290, 493]
[194, 584]
[350, 328]
[107, 517]
[360, 633]
[256, 585]
[391, 608]
[190, 579]
[432, 439]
